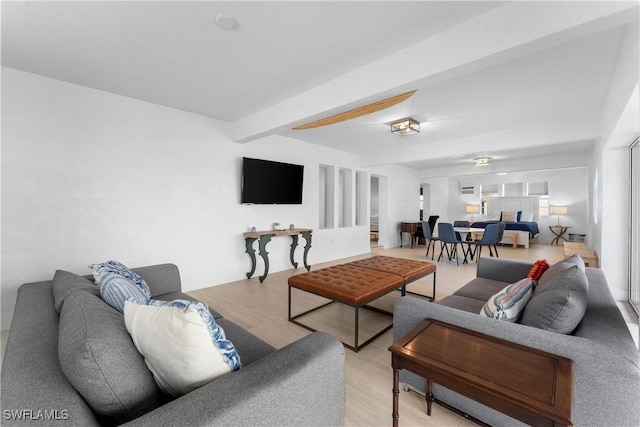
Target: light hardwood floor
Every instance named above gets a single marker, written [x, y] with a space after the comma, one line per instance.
[262, 309]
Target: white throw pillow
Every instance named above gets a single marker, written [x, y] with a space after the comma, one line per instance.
[181, 343]
[509, 302]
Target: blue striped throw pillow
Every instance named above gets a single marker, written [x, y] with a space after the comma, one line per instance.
[115, 289]
[100, 269]
[509, 302]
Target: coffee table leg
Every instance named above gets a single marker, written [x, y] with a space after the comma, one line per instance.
[396, 392]
[429, 397]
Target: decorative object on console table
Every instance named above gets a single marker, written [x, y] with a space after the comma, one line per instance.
[264, 237]
[538, 390]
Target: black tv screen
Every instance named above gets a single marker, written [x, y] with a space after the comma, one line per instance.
[266, 182]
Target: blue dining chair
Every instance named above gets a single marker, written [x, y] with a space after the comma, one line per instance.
[500, 236]
[489, 238]
[447, 237]
[430, 240]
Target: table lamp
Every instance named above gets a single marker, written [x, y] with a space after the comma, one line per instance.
[558, 210]
[473, 209]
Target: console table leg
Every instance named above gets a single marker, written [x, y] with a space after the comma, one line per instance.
[307, 237]
[396, 392]
[252, 253]
[429, 397]
[262, 246]
[294, 245]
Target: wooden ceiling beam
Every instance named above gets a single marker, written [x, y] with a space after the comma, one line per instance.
[357, 112]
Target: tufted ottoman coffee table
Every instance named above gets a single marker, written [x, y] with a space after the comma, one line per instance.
[410, 270]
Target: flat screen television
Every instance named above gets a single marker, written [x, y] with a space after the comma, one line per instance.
[265, 182]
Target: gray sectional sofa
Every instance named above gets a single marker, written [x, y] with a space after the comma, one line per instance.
[69, 361]
[606, 360]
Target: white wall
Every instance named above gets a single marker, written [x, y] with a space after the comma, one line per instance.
[611, 174]
[89, 176]
[399, 200]
[567, 187]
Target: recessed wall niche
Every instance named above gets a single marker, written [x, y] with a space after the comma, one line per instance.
[326, 193]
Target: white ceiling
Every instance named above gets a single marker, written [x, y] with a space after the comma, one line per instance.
[503, 79]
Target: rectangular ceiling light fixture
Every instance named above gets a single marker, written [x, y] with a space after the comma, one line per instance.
[404, 127]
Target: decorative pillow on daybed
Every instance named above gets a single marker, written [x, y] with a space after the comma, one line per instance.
[509, 216]
[509, 302]
[181, 343]
[559, 303]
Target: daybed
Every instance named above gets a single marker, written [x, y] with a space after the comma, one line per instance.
[574, 315]
[88, 346]
[526, 230]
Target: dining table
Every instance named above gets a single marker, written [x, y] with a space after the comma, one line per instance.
[464, 232]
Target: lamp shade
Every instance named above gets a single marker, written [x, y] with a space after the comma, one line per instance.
[473, 209]
[559, 210]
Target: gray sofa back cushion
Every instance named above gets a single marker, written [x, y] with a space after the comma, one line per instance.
[561, 266]
[161, 278]
[64, 283]
[100, 360]
[560, 303]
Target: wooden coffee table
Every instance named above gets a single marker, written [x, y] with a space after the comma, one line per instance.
[527, 384]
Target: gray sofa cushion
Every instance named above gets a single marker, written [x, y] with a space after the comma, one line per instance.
[560, 303]
[64, 283]
[481, 289]
[463, 303]
[559, 267]
[99, 358]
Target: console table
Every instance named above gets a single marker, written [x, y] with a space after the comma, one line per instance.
[530, 385]
[264, 237]
[409, 227]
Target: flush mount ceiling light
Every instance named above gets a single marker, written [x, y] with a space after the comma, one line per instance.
[404, 127]
[482, 161]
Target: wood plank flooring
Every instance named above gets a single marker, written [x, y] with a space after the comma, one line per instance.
[262, 309]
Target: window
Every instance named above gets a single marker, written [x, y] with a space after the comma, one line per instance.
[543, 206]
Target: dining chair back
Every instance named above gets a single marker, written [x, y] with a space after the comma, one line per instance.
[432, 222]
[502, 226]
[489, 238]
[429, 239]
[447, 236]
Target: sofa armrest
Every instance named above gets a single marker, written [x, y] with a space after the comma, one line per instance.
[300, 384]
[606, 383]
[503, 269]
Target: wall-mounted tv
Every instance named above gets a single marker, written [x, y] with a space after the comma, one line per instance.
[265, 182]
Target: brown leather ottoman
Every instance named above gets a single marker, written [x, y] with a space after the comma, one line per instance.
[347, 284]
[410, 270]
